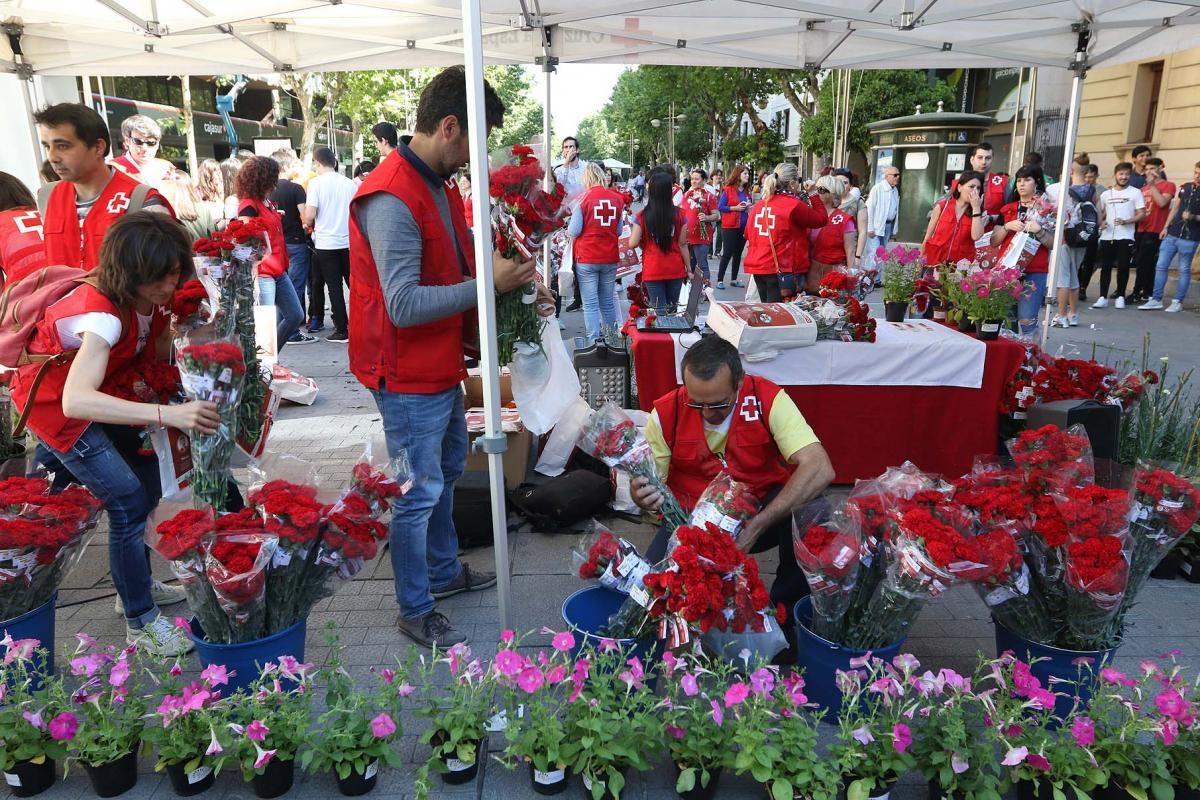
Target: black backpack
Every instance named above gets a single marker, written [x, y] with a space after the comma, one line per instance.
[1083, 232]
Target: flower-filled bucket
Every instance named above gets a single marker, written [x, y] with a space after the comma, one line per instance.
[36, 624]
[821, 659]
[1069, 673]
[587, 611]
[244, 660]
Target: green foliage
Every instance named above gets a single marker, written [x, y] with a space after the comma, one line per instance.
[182, 737]
[871, 766]
[598, 140]
[281, 702]
[698, 745]
[875, 95]
[22, 740]
[761, 151]
[1164, 427]
[457, 706]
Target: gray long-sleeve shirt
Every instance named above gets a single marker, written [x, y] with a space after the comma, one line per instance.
[395, 239]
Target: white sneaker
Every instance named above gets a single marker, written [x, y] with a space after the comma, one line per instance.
[1073, 320]
[1175, 307]
[1101, 303]
[160, 638]
[1058, 322]
[1151, 305]
[1120, 302]
[160, 593]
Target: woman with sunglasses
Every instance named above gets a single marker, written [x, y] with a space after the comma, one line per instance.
[596, 228]
[956, 222]
[834, 243]
[661, 230]
[776, 235]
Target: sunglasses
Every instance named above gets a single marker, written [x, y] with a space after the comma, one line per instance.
[710, 406]
[144, 142]
[822, 190]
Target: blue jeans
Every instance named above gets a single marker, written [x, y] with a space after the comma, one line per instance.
[597, 291]
[700, 259]
[882, 237]
[1186, 250]
[432, 430]
[95, 462]
[664, 295]
[1029, 304]
[280, 293]
[299, 262]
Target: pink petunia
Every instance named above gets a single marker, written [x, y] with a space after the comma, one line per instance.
[215, 675]
[256, 731]
[382, 726]
[736, 693]
[717, 714]
[563, 642]
[264, 757]
[507, 635]
[509, 663]
[530, 679]
[689, 684]
[405, 689]
[901, 737]
[63, 727]
[863, 735]
[1083, 730]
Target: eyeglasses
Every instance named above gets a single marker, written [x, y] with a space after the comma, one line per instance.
[144, 142]
[822, 190]
[710, 406]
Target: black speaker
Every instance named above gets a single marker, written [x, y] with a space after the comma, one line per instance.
[1101, 421]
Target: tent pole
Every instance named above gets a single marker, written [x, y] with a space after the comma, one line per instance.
[1060, 217]
[547, 181]
[493, 441]
[1012, 139]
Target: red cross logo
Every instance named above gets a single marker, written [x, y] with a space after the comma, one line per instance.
[997, 180]
[118, 204]
[29, 223]
[751, 410]
[764, 221]
[605, 212]
[837, 219]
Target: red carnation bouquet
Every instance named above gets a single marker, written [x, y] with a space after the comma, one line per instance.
[292, 512]
[522, 216]
[848, 321]
[1097, 572]
[831, 557]
[1052, 458]
[235, 564]
[213, 371]
[43, 535]
[191, 306]
[611, 436]
[146, 380]
[613, 561]
[725, 503]
[1005, 584]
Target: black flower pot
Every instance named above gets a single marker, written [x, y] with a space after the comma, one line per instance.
[1035, 790]
[1168, 570]
[114, 778]
[895, 312]
[1186, 793]
[187, 783]
[27, 779]
[877, 792]
[548, 783]
[275, 780]
[937, 793]
[459, 772]
[357, 783]
[1191, 569]
[987, 330]
[966, 324]
[702, 792]
[1113, 791]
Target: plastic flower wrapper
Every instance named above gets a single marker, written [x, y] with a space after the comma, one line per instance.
[1097, 573]
[351, 537]
[613, 561]
[235, 564]
[831, 557]
[725, 503]
[378, 479]
[195, 304]
[995, 496]
[213, 371]
[1053, 459]
[247, 242]
[1006, 587]
[613, 437]
[848, 321]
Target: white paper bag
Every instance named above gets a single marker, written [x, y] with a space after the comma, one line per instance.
[545, 385]
[173, 449]
[562, 439]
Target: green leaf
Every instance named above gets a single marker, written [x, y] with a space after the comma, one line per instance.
[859, 790]
[191, 765]
[782, 790]
[1137, 792]
[686, 781]
[616, 781]
[342, 769]
[1162, 790]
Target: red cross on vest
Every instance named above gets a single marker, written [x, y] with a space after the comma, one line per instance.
[118, 203]
[764, 221]
[605, 212]
[29, 222]
[751, 409]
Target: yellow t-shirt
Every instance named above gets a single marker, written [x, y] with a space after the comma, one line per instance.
[789, 429]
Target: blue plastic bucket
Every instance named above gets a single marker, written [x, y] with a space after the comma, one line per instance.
[244, 660]
[821, 659]
[36, 624]
[1072, 678]
[587, 611]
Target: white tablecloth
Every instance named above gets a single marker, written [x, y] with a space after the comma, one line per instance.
[917, 352]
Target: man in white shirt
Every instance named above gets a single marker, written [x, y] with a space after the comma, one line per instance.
[1121, 208]
[883, 206]
[570, 173]
[327, 212]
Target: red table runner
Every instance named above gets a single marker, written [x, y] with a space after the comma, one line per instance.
[867, 429]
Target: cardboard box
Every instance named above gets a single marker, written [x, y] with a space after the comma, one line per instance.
[516, 458]
[473, 388]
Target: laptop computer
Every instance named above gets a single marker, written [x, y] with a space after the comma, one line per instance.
[678, 323]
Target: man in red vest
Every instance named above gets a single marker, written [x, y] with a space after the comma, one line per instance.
[78, 209]
[723, 419]
[412, 311]
[995, 184]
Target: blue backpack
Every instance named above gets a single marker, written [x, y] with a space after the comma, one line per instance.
[1083, 232]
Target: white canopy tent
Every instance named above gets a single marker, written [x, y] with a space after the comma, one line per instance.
[196, 37]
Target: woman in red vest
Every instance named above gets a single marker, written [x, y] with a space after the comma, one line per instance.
[956, 222]
[113, 323]
[776, 235]
[661, 230]
[596, 229]
[21, 248]
[700, 211]
[732, 203]
[256, 179]
[833, 244]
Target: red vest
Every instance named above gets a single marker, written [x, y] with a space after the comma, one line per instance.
[22, 249]
[731, 219]
[698, 202]
[275, 263]
[601, 209]
[47, 420]
[995, 187]
[126, 165]
[951, 240]
[776, 222]
[65, 244]
[657, 265]
[751, 455]
[1040, 261]
[423, 359]
[829, 247]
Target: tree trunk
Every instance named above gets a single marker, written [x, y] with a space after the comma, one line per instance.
[755, 120]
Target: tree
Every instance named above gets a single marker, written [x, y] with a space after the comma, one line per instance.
[597, 140]
[875, 95]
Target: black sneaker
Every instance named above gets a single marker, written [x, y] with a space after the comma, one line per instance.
[301, 338]
[430, 630]
[573, 307]
[340, 336]
[315, 325]
[467, 581]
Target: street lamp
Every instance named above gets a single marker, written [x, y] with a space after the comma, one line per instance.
[673, 120]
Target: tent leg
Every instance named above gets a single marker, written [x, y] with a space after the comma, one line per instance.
[493, 441]
[1060, 220]
[548, 71]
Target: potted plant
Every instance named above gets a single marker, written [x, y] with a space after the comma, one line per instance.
[613, 714]
[776, 738]
[270, 720]
[872, 749]
[36, 731]
[987, 296]
[1136, 722]
[700, 745]
[947, 745]
[1181, 740]
[458, 714]
[356, 732]
[191, 733]
[901, 267]
[110, 707]
[535, 698]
